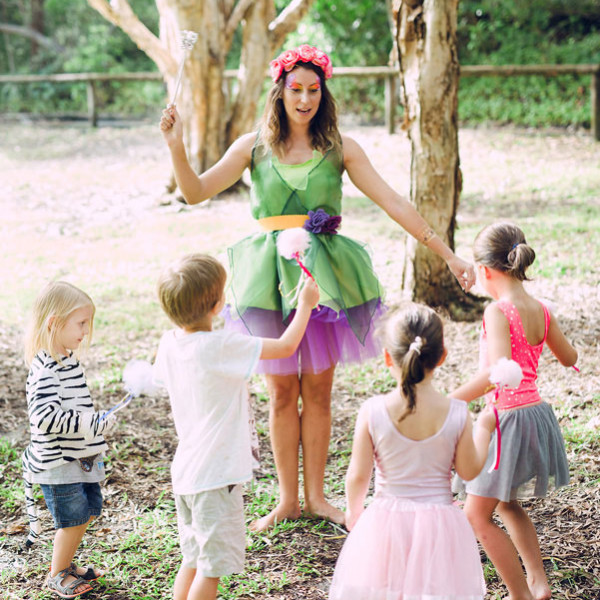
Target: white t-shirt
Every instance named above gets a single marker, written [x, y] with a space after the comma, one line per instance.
[206, 374]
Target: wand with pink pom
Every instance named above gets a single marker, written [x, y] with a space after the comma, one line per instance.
[137, 380]
[292, 243]
[505, 373]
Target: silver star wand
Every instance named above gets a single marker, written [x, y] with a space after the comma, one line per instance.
[188, 39]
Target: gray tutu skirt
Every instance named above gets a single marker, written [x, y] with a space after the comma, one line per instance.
[533, 460]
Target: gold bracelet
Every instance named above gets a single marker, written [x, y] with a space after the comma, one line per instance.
[426, 235]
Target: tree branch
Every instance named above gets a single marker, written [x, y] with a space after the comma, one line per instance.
[287, 21]
[120, 13]
[32, 34]
[237, 14]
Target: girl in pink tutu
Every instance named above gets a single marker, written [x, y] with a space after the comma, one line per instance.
[412, 542]
[532, 458]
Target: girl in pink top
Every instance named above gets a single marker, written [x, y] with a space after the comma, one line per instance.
[533, 458]
[412, 542]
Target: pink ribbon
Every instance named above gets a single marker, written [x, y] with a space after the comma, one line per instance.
[304, 269]
[498, 443]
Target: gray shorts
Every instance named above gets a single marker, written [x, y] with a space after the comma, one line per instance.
[211, 531]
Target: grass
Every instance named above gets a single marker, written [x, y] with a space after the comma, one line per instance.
[12, 496]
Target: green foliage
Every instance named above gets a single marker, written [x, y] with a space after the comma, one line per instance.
[91, 44]
[536, 32]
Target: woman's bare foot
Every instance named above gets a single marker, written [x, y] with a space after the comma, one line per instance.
[324, 510]
[278, 514]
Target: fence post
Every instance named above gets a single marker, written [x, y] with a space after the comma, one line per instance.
[91, 103]
[390, 103]
[595, 98]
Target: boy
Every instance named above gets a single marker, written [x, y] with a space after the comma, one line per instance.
[205, 373]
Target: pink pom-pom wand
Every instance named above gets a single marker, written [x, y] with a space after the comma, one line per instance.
[137, 380]
[292, 243]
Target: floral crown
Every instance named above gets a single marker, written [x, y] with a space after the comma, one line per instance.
[287, 60]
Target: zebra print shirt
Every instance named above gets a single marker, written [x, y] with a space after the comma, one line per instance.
[62, 420]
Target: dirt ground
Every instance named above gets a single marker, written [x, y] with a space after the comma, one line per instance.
[73, 182]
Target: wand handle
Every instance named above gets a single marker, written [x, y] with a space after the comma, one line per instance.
[178, 81]
[304, 269]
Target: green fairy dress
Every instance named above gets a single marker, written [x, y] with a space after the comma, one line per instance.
[263, 282]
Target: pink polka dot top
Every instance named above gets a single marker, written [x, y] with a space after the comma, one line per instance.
[526, 355]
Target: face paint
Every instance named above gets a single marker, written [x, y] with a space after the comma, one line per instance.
[316, 86]
[290, 82]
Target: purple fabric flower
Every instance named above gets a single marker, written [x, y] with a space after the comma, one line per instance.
[321, 222]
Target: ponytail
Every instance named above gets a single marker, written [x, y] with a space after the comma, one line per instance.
[414, 338]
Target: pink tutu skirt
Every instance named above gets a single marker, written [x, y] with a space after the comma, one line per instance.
[404, 550]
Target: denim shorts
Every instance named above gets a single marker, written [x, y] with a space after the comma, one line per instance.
[72, 504]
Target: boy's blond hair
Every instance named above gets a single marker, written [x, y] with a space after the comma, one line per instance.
[190, 288]
[58, 299]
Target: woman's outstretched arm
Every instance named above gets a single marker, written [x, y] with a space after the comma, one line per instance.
[196, 188]
[369, 182]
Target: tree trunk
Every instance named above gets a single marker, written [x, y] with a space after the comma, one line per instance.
[36, 23]
[201, 97]
[429, 72]
[212, 119]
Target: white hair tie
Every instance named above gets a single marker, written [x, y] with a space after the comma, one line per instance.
[416, 345]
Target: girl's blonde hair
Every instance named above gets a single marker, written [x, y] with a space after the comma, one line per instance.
[58, 299]
[414, 338]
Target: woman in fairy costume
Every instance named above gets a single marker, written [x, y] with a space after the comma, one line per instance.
[296, 161]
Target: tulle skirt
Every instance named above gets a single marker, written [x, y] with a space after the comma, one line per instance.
[404, 550]
[533, 460]
[262, 296]
[329, 338]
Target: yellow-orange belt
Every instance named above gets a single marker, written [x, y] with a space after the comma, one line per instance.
[279, 222]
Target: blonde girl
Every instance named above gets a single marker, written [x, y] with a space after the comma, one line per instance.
[65, 454]
[412, 541]
[533, 460]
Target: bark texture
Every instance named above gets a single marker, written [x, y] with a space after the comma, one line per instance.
[425, 32]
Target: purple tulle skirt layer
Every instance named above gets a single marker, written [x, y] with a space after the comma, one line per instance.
[328, 340]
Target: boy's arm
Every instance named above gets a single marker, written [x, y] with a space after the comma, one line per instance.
[287, 344]
[359, 472]
[498, 346]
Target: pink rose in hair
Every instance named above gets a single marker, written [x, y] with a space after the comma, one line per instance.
[322, 60]
[288, 59]
[275, 69]
[306, 53]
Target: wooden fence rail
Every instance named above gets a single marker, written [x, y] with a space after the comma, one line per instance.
[390, 74]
